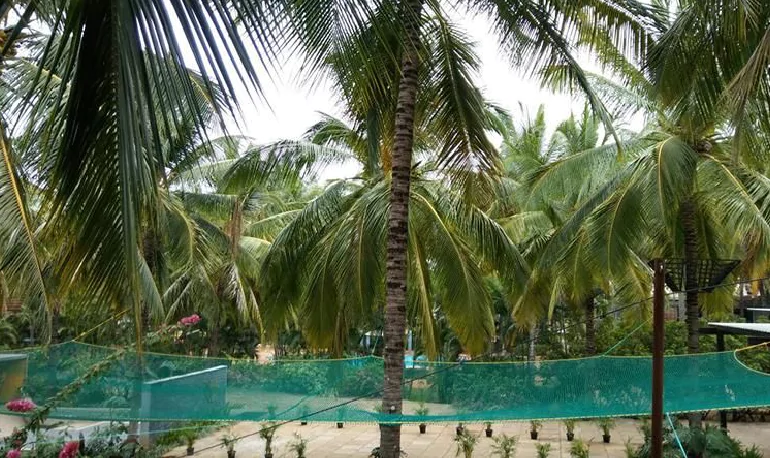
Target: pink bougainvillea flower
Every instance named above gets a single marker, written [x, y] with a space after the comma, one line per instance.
[70, 450]
[13, 453]
[20, 405]
[190, 320]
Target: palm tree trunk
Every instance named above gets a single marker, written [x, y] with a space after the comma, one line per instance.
[691, 285]
[396, 264]
[55, 322]
[214, 339]
[690, 271]
[532, 343]
[590, 311]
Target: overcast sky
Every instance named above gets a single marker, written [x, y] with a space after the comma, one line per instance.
[294, 108]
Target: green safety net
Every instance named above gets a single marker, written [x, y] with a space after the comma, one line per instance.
[176, 388]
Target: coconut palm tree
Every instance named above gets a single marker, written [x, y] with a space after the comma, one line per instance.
[234, 227]
[336, 245]
[101, 149]
[692, 190]
[345, 226]
[532, 217]
[536, 33]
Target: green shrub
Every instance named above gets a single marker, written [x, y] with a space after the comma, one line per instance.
[579, 449]
[505, 446]
[543, 449]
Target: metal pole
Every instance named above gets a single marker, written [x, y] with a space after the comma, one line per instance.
[721, 347]
[658, 342]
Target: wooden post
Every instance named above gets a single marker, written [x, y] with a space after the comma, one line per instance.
[658, 343]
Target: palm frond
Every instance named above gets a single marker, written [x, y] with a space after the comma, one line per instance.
[21, 263]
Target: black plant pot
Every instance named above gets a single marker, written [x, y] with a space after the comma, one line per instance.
[533, 435]
[190, 451]
[231, 454]
[488, 432]
[423, 427]
[268, 455]
[459, 430]
[303, 423]
[606, 438]
[339, 425]
[570, 436]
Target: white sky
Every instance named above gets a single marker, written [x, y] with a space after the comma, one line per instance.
[293, 108]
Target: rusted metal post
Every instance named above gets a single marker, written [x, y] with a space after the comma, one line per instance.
[658, 343]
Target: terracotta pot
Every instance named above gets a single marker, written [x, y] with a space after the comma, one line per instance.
[606, 438]
[423, 427]
[533, 435]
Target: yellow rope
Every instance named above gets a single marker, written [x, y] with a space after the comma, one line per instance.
[83, 334]
[762, 344]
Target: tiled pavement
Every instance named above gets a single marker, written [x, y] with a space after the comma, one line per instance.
[326, 441]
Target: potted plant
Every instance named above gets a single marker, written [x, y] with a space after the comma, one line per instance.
[298, 446]
[422, 411]
[304, 414]
[534, 426]
[488, 429]
[505, 446]
[466, 442]
[190, 435]
[570, 425]
[267, 432]
[543, 450]
[579, 449]
[459, 429]
[340, 417]
[228, 442]
[606, 424]
[272, 411]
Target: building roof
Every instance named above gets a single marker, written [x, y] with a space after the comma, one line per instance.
[756, 329]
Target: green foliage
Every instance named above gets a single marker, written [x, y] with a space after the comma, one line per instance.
[190, 435]
[422, 411]
[578, 449]
[298, 446]
[505, 446]
[543, 449]
[375, 453]
[228, 441]
[363, 380]
[606, 424]
[708, 442]
[569, 424]
[535, 425]
[466, 442]
[267, 432]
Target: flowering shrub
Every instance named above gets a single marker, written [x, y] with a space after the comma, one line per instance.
[13, 453]
[20, 405]
[70, 450]
[190, 320]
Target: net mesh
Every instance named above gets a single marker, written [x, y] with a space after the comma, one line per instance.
[171, 388]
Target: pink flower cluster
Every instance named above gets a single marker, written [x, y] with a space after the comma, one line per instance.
[20, 405]
[14, 453]
[190, 320]
[70, 450]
